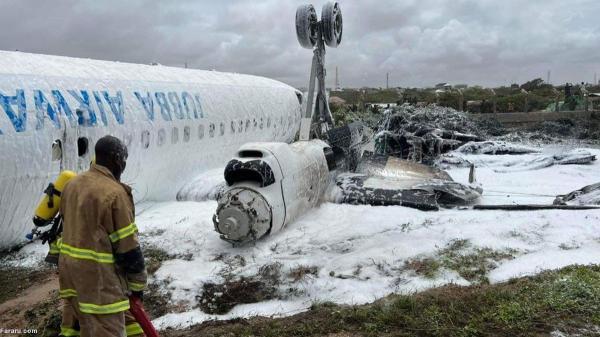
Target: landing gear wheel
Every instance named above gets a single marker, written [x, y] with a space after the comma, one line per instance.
[331, 19]
[307, 26]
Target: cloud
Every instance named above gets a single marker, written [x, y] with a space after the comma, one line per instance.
[420, 42]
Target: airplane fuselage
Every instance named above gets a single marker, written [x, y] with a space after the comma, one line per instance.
[176, 123]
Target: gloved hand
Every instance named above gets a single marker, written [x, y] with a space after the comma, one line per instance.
[138, 294]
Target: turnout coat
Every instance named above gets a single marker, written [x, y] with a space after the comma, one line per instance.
[100, 259]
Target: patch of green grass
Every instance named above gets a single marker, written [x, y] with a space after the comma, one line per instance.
[427, 267]
[567, 299]
[471, 263]
[154, 257]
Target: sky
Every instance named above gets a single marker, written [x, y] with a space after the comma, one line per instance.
[418, 42]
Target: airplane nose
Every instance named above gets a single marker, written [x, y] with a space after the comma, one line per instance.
[242, 214]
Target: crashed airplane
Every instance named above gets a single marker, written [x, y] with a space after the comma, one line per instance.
[270, 184]
[179, 123]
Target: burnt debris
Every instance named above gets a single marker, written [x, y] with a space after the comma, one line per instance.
[422, 134]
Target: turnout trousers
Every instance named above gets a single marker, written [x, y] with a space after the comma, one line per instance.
[76, 323]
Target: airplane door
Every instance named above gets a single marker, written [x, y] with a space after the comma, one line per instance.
[76, 147]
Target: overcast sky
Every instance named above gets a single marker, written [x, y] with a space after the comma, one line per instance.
[420, 42]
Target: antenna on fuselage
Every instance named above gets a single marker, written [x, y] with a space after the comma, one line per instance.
[315, 34]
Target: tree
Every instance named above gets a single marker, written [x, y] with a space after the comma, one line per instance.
[533, 84]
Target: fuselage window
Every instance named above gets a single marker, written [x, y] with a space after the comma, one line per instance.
[241, 126]
[232, 126]
[211, 130]
[186, 134]
[221, 129]
[247, 124]
[145, 139]
[261, 124]
[82, 146]
[162, 135]
[269, 122]
[56, 150]
[255, 123]
[127, 139]
[175, 135]
[200, 131]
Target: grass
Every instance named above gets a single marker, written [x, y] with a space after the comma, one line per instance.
[566, 299]
[427, 267]
[299, 273]
[221, 298]
[154, 257]
[471, 263]
[157, 301]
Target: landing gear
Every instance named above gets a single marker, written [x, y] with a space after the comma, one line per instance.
[331, 18]
[311, 33]
[307, 26]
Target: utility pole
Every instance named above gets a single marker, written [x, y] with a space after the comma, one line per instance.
[595, 78]
[387, 80]
[185, 64]
[548, 78]
[337, 80]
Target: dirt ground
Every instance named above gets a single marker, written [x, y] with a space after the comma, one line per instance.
[30, 301]
[565, 300]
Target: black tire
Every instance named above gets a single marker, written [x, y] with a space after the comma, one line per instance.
[331, 19]
[307, 26]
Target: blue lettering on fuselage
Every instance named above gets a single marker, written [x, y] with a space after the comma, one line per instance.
[116, 105]
[148, 104]
[199, 106]
[188, 103]
[19, 119]
[44, 108]
[100, 104]
[165, 110]
[84, 107]
[176, 104]
[52, 105]
[63, 107]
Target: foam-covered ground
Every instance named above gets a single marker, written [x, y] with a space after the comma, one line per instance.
[360, 252]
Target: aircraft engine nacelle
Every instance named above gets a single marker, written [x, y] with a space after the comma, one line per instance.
[270, 185]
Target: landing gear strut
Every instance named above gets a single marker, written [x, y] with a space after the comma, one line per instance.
[316, 34]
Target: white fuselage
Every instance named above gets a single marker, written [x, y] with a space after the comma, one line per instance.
[176, 123]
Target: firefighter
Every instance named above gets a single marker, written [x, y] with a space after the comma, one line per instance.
[100, 262]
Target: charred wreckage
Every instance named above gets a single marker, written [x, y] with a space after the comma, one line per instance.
[269, 185]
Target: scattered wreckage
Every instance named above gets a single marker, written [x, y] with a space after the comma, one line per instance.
[587, 195]
[381, 180]
[423, 134]
[269, 185]
[463, 157]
